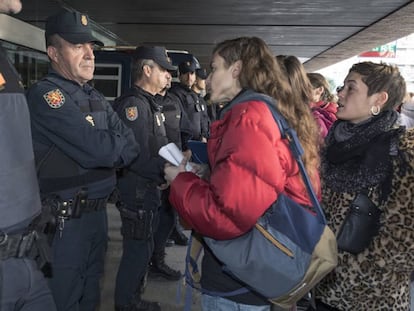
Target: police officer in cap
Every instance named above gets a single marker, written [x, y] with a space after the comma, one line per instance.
[140, 184]
[20, 206]
[199, 86]
[177, 126]
[78, 142]
[195, 109]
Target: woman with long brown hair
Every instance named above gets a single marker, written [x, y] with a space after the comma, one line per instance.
[249, 162]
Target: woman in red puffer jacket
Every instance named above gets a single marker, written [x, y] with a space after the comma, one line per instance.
[249, 162]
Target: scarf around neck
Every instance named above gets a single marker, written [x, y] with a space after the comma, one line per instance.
[358, 156]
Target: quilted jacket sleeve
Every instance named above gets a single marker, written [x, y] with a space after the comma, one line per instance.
[250, 165]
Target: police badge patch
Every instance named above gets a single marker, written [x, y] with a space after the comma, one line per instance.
[55, 98]
[131, 113]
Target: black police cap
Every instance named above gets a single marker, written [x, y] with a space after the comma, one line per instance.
[157, 53]
[188, 66]
[71, 26]
[201, 73]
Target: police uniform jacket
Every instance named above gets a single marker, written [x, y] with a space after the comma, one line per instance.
[177, 123]
[140, 112]
[19, 191]
[78, 139]
[195, 109]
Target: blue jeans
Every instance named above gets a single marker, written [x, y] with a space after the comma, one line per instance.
[215, 303]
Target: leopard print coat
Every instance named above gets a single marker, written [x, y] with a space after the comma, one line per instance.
[378, 278]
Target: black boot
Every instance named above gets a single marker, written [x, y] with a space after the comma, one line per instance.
[143, 284]
[169, 243]
[178, 237]
[158, 268]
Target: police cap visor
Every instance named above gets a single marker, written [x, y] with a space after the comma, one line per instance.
[185, 67]
[201, 73]
[71, 26]
[157, 53]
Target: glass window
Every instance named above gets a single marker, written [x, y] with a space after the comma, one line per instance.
[107, 80]
[30, 64]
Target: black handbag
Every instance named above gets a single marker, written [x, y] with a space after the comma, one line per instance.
[360, 226]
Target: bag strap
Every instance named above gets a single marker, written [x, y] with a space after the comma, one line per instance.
[296, 148]
[194, 247]
[287, 133]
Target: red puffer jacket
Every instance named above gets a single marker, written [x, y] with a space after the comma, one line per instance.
[250, 165]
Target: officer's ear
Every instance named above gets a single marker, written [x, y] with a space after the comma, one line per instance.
[147, 69]
[52, 52]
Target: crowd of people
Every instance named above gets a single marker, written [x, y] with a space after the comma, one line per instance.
[71, 148]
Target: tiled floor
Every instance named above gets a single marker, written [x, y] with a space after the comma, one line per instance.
[157, 290]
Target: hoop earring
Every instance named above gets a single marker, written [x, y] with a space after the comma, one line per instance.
[375, 110]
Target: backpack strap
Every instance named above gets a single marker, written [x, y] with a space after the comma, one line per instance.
[296, 148]
[287, 133]
[195, 246]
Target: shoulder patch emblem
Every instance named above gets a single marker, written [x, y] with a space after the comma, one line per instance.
[55, 98]
[131, 113]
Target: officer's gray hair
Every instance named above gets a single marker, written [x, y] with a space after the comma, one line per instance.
[138, 68]
[54, 40]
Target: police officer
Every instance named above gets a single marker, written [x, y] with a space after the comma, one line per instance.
[139, 184]
[22, 285]
[195, 109]
[177, 126]
[199, 86]
[78, 142]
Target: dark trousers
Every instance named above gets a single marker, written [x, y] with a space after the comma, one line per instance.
[132, 267]
[23, 287]
[136, 253]
[167, 221]
[78, 262]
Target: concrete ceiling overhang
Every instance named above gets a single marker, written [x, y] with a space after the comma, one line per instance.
[323, 31]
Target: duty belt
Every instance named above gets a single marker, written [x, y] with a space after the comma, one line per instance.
[68, 209]
[17, 245]
[86, 205]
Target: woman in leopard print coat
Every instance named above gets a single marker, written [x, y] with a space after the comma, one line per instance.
[366, 151]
